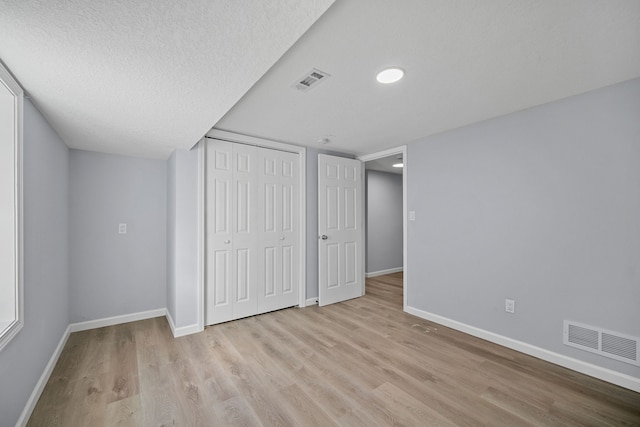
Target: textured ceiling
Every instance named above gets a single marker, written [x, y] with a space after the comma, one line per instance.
[465, 61]
[142, 77]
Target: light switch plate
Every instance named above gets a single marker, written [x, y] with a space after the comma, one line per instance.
[509, 306]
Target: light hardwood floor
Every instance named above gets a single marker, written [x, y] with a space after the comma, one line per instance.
[359, 363]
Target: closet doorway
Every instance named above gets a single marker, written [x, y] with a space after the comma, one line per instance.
[254, 243]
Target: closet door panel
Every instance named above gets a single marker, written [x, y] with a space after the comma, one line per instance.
[244, 236]
[278, 236]
[270, 269]
[269, 272]
[290, 229]
[219, 301]
[288, 273]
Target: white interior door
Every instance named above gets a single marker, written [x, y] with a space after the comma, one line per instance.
[341, 229]
[278, 254]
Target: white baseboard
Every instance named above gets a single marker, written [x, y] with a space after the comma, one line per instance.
[182, 330]
[383, 272]
[617, 378]
[37, 391]
[311, 301]
[116, 320]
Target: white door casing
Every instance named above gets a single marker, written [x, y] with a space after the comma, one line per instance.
[341, 229]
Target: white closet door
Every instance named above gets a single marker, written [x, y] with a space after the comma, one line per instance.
[253, 202]
[219, 300]
[232, 237]
[278, 253]
[245, 231]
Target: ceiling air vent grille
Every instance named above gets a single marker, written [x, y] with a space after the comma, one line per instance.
[603, 342]
[310, 80]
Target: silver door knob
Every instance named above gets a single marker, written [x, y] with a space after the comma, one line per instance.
[324, 237]
[227, 242]
[282, 238]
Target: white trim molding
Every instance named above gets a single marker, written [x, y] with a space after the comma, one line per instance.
[617, 378]
[202, 233]
[252, 140]
[13, 322]
[302, 293]
[182, 330]
[42, 381]
[311, 301]
[383, 153]
[383, 272]
[116, 320]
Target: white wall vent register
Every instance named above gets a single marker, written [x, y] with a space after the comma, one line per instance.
[310, 80]
[606, 343]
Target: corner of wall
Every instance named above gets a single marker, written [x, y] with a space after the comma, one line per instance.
[182, 330]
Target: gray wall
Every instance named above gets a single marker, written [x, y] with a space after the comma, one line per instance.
[540, 206]
[113, 274]
[384, 221]
[182, 237]
[46, 261]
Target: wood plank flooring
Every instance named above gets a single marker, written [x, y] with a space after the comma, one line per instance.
[358, 363]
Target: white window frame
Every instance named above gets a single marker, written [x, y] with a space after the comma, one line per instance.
[9, 330]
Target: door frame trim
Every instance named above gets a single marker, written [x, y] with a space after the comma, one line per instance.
[302, 163]
[202, 230]
[379, 155]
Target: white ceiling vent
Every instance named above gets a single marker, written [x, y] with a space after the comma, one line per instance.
[310, 80]
[600, 341]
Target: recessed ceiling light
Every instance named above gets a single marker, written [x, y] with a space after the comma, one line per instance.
[398, 165]
[390, 75]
